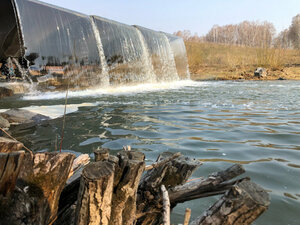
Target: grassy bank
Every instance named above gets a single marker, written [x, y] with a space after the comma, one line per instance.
[226, 62]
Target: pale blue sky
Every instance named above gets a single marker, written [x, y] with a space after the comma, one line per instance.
[194, 15]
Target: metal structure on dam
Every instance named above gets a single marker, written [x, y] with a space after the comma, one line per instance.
[58, 47]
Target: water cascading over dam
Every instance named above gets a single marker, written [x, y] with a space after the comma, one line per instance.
[125, 53]
[59, 48]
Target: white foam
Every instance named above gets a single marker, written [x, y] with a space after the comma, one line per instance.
[120, 90]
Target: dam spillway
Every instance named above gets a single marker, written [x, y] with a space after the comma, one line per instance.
[59, 47]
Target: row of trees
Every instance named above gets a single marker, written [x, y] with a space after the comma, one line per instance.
[253, 34]
[290, 37]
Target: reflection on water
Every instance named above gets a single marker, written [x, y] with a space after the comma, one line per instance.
[252, 123]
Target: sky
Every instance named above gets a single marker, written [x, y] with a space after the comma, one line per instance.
[198, 16]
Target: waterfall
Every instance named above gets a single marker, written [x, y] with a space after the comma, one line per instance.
[65, 47]
[160, 54]
[180, 57]
[146, 59]
[104, 74]
[125, 52]
[171, 61]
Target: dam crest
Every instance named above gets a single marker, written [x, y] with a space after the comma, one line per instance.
[58, 48]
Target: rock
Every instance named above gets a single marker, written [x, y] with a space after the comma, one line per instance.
[5, 92]
[260, 72]
[8, 145]
[21, 116]
[4, 123]
[281, 78]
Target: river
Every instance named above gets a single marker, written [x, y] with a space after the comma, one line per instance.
[255, 123]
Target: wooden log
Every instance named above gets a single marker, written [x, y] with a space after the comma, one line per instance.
[213, 185]
[95, 194]
[127, 177]
[78, 163]
[9, 145]
[160, 163]
[67, 217]
[187, 216]
[241, 205]
[166, 206]
[10, 164]
[101, 154]
[39, 185]
[170, 174]
[67, 200]
[69, 194]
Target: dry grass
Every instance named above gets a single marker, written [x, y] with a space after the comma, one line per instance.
[218, 61]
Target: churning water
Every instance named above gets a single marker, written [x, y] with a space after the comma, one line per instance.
[256, 124]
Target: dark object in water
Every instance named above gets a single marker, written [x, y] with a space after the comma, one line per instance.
[85, 51]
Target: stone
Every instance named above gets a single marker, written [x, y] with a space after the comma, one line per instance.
[5, 92]
[260, 72]
[4, 123]
[21, 116]
[8, 145]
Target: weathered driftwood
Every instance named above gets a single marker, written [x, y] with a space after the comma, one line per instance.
[213, 185]
[128, 173]
[160, 163]
[170, 174]
[78, 163]
[49, 172]
[241, 205]
[166, 206]
[112, 191]
[69, 194]
[9, 145]
[101, 154]
[67, 201]
[95, 194]
[40, 182]
[10, 164]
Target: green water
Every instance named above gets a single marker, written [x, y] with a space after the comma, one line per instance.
[221, 123]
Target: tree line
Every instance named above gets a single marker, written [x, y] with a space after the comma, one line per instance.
[253, 34]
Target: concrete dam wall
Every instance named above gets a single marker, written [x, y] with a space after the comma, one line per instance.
[57, 47]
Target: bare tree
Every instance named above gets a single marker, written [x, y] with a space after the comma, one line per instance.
[294, 32]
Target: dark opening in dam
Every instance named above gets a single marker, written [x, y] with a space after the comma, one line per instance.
[56, 47]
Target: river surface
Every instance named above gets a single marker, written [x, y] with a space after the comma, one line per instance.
[253, 123]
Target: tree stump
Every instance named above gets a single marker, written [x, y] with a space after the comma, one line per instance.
[170, 174]
[95, 194]
[39, 185]
[127, 177]
[79, 163]
[241, 205]
[101, 154]
[10, 164]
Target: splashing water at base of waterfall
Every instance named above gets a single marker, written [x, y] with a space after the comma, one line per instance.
[118, 90]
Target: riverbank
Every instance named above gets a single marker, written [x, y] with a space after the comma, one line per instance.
[210, 61]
